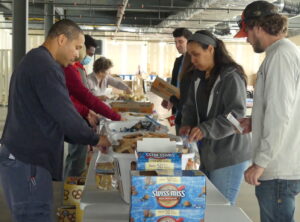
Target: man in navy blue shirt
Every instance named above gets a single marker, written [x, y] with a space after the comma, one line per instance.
[40, 117]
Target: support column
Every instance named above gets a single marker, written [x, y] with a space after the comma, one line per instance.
[20, 30]
[49, 17]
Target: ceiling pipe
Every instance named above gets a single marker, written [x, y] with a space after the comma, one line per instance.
[120, 14]
[291, 7]
[195, 8]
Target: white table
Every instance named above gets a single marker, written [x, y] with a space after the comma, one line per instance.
[93, 196]
[120, 213]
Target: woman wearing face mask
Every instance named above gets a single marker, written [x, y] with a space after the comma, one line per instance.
[101, 78]
[219, 88]
[86, 60]
[88, 106]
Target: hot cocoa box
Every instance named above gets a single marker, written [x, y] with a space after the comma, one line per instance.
[185, 215]
[176, 190]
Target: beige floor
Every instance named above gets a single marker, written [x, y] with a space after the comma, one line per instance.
[246, 199]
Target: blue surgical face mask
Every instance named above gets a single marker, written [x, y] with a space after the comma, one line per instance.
[86, 60]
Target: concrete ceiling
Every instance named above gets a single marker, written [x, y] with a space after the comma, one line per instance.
[147, 18]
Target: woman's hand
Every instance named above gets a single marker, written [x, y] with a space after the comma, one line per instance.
[103, 98]
[170, 105]
[195, 135]
[246, 124]
[184, 130]
[93, 118]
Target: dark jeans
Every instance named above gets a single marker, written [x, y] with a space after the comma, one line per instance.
[76, 160]
[276, 200]
[27, 189]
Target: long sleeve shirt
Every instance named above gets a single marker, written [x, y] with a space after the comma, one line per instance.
[98, 88]
[41, 114]
[83, 99]
[275, 113]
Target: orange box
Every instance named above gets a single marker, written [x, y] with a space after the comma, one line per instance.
[164, 89]
[137, 107]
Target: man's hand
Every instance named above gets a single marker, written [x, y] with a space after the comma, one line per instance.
[103, 98]
[246, 124]
[253, 173]
[184, 130]
[92, 118]
[164, 104]
[195, 134]
[103, 142]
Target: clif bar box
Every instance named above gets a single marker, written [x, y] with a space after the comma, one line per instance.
[158, 161]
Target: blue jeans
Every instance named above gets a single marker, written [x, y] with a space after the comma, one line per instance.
[228, 179]
[276, 199]
[27, 189]
[76, 160]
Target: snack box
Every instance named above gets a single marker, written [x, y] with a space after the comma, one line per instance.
[137, 107]
[158, 161]
[191, 215]
[167, 190]
[164, 89]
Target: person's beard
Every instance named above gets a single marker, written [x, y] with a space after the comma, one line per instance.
[257, 46]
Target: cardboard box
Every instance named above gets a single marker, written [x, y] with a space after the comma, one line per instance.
[177, 190]
[164, 89]
[66, 214]
[158, 161]
[69, 214]
[191, 215]
[137, 107]
[73, 188]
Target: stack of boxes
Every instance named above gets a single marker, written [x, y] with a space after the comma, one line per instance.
[70, 211]
[162, 192]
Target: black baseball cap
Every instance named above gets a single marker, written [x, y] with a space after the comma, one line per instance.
[256, 9]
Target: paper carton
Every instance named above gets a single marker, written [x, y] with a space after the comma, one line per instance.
[137, 107]
[164, 89]
[158, 161]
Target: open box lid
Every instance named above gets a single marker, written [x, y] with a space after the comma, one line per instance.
[156, 145]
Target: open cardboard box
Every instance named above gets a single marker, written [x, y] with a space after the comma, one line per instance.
[137, 107]
[164, 89]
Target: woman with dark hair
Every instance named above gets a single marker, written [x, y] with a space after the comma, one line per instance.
[218, 89]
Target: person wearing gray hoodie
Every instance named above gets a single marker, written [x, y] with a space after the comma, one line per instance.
[219, 88]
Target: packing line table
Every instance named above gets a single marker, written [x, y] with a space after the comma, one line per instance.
[108, 206]
[93, 196]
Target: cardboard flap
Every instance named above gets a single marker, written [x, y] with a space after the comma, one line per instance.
[156, 145]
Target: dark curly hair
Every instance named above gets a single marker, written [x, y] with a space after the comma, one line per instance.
[272, 24]
[102, 64]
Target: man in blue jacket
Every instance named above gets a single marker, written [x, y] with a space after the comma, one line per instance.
[40, 117]
[181, 36]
